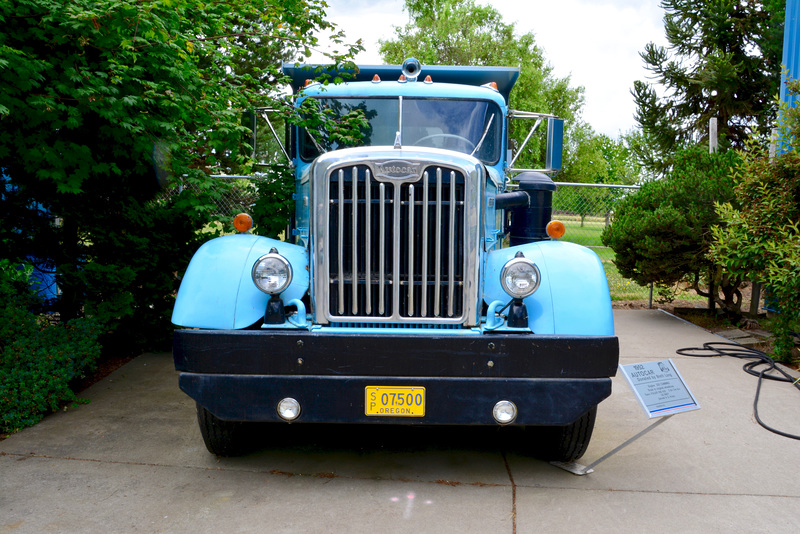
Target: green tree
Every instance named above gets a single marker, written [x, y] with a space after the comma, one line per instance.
[723, 60]
[461, 32]
[622, 166]
[101, 101]
[584, 160]
[662, 234]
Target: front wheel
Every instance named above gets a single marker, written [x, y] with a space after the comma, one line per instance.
[565, 443]
[224, 438]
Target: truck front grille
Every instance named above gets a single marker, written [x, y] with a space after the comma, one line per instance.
[395, 249]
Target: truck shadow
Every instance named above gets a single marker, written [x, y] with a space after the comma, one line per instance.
[384, 438]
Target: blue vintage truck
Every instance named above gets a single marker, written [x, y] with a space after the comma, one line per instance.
[424, 283]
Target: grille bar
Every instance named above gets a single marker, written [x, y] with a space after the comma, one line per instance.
[368, 244]
[354, 239]
[341, 240]
[424, 271]
[451, 286]
[411, 251]
[437, 272]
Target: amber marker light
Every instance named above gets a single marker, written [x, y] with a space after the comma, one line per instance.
[376, 79]
[556, 229]
[242, 222]
[428, 79]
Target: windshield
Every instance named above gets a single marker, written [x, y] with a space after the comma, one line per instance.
[468, 126]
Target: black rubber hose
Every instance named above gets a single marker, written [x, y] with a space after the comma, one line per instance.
[721, 348]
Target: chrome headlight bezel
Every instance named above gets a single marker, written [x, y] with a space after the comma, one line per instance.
[278, 264]
[520, 264]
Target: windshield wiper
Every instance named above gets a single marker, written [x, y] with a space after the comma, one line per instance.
[483, 137]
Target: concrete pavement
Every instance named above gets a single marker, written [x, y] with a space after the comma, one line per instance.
[132, 460]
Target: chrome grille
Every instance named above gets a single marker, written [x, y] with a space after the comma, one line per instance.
[395, 249]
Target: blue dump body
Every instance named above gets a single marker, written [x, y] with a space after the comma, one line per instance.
[420, 286]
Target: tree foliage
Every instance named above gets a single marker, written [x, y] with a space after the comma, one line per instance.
[102, 101]
[662, 233]
[723, 60]
[462, 32]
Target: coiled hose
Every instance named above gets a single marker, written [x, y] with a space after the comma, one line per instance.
[734, 350]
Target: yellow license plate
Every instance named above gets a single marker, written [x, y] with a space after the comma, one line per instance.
[394, 401]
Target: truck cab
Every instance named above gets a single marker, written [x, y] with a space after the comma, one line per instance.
[422, 281]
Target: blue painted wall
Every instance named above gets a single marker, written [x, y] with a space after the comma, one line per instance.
[791, 47]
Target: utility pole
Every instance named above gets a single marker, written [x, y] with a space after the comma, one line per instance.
[713, 141]
[713, 146]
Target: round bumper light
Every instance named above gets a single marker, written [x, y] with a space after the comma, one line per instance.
[520, 277]
[272, 273]
[288, 409]
[504, 412]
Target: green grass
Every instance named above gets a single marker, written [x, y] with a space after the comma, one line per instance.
[587, 235]
[620, 288]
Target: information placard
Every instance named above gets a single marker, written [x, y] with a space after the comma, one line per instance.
[659, 387]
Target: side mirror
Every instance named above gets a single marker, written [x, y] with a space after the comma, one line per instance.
[555, 144]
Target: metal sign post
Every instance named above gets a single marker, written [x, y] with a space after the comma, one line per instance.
[661, 392]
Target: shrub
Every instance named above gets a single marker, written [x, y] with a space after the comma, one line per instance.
[761, 241]
[37, 360]
[661, 234]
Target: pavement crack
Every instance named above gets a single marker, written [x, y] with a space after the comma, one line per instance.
[513, 495]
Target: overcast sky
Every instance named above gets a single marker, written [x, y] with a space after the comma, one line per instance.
[595, 42]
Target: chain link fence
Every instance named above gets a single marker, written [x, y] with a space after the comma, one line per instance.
[237, 194]
[586, 210]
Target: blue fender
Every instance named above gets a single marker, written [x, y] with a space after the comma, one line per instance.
[217, 290]
[572, 298]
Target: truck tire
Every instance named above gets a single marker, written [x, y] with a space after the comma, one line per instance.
[224, 438]
[566, 443]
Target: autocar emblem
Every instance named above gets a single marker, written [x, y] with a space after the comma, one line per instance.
[397, 170]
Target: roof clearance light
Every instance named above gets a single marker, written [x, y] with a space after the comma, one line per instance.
[428, 79]
[491, 85]
[376, 79]
[242, 222]
[556, 229]
[402, 78]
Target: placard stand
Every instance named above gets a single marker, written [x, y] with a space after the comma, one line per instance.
[578, 469]
[661, 392]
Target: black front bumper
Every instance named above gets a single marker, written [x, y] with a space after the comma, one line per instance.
[241, 375]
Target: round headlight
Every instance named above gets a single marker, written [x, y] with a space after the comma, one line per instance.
[520, 277]
[272, 273]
